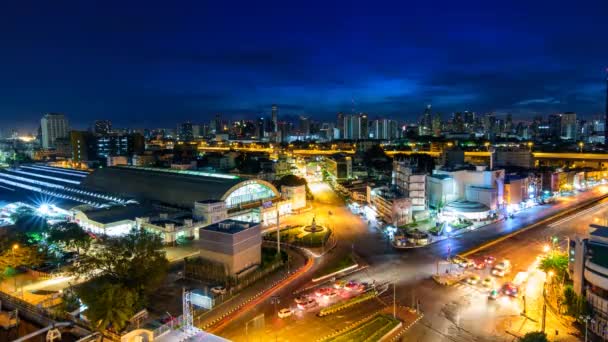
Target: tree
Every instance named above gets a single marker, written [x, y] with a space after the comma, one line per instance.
[17, 255]
[110, 305]
[69, 235]
[535, 336]
[557, 263]
[135, 261]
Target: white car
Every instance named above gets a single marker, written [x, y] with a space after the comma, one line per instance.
[219, 290]
[284, 313]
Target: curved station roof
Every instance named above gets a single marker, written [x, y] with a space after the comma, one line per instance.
[178, 187]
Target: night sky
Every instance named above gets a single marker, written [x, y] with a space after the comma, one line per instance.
[143, 64]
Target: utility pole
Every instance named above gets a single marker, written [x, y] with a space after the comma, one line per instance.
[278, 232]
[394, 300]
[544, 317]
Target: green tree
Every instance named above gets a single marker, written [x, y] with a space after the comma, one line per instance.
[557, 263]
[110, 306]
[18, 255]
[69, 235]
[137, 261]
[535, 336]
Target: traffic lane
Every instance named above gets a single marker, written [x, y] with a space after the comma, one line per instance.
[303, 325]
[495, 230]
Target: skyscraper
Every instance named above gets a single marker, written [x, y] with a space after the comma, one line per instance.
[53, 126]
[185, 131]
[426, 124]
[356, 127]
[275, 117]
[606, 114]
[103, 126]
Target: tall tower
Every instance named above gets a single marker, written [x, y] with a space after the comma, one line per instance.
[606, 113]
[53, 126]
[275, 116]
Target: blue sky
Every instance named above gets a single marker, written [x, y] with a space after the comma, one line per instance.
[154, 64]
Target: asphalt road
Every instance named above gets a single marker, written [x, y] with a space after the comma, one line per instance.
[411, 270]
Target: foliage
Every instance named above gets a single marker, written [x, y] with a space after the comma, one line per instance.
[557, 263]
[110, 305]
[22, 255]
[376, 158]
[535, 336]
[292, 180]
[28, 227]
[69, 235]
[135, 261]
[576, 305]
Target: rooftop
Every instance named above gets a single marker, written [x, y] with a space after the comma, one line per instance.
[229, 226]
[120, 213]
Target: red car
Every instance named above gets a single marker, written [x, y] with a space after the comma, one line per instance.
[510, 289]
[322, 291]
[480, 265]
[490, 260]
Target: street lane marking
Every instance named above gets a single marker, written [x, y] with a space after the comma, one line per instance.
[579, 214]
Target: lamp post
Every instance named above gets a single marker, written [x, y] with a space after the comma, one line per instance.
[13, 249]
[586, 319]
[580, 145]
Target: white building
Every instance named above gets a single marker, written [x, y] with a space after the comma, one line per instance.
[589, 270]
[480, 185]
[53, 126]
[411, 184]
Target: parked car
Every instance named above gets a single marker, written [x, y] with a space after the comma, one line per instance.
[284, 313]
[218, 290]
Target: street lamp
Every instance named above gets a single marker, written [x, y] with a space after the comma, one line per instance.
[13, 249]
[546, 248]
[586, 319]
[580, 145]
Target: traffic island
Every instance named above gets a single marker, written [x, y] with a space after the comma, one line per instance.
[373, 328]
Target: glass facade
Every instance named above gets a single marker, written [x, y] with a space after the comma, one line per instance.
[251, 191]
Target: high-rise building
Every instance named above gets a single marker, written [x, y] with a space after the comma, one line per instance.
[383, 129]
[275, 118]
[606, 113]
[53, 126]
[569, 126]
[84, 146]
[437, 125]
[304, 126]
[340, 125]
[103, 126]
[185, 132]
[356, 127]
[426, 124]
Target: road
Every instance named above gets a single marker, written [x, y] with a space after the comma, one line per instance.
[411, 270]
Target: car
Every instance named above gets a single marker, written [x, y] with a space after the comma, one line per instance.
[339, 284]
[473, 280]
[322, 291]
[330, 294]
[493, 294]
[510, 289]
[498, 272]
[487, 282]
[352, 286]
[490, 260]
[218, 290]
[480, 265]
[301, 299]
[311, 303]
[284, 313]
[503, 265]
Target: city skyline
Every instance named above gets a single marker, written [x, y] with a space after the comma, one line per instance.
[162, 66]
